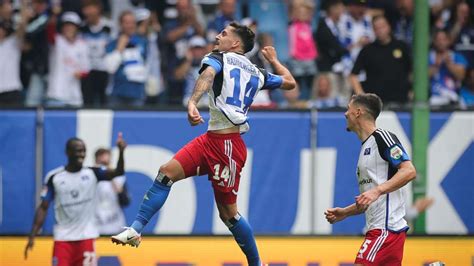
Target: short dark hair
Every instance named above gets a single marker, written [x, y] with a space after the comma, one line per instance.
[377, 17]
[71, 140]
[371, 102]
[326, 5]
[245, 34]
[125, 13]
[86, 3]
[101, 151]
[438, 31]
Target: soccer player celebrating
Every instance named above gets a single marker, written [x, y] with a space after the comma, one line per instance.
[73, 188]
[232, 82]
[383, 168]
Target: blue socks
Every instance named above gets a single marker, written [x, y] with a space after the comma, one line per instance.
[243, 234]
[152, 202]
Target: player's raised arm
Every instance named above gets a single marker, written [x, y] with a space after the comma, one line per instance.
[270, 55]
[120, 168]
[203, 83]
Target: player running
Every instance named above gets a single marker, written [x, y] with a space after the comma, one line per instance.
[383, 168]
[232, 82]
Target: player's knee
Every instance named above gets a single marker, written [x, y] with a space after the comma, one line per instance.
[230, 220]
[227, 215]
[167, 171]
[172, 171]
[224, 217]
[163, 179]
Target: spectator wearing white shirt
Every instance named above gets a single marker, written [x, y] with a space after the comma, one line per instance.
[69, 63]
[355, 31]
[10, 54]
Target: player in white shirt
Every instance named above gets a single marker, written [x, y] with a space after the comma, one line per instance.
[112, 196]
[383, 169]
[232, 82]
[73, 190]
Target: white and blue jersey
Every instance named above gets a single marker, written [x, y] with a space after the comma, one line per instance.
[74, 196]
[129, 67]
[379, 158]
[235, 86]
[97, 37]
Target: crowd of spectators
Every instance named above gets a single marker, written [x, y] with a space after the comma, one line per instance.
[135, 53]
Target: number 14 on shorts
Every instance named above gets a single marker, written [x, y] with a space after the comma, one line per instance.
[223, 175]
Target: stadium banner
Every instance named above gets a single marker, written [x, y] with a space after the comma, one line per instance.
[17, 170]
[222, 251]
[276, 186]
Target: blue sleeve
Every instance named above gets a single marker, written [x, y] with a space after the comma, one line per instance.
[100, 173]
[272, 81]
[47, 193]
[395, 155]
[460, 60]
[211, 61]
[111, 46]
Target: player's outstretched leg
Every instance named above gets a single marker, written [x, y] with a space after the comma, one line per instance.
[152, 202]
[241, 231]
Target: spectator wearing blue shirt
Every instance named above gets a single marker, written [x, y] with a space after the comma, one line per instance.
[126, 60]
[462, 32]
[224, 16]
[35, 53]
[446, 70]
[96, 32]
[177, 33]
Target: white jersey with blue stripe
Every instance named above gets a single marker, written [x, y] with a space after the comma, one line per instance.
[74, 196]
[379, 158]
[235, 86]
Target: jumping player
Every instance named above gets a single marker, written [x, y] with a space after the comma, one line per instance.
[383, 168]
[232, 82]
[73, 188]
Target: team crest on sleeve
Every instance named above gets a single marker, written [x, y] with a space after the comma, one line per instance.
[396, 152]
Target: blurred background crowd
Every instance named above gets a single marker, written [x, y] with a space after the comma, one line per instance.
[136, 53]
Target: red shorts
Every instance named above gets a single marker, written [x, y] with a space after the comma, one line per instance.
[221, 157]
[74, 253]
[381, 247]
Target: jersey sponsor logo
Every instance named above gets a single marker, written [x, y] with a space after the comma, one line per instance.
[76, 203]
[365, 181]
[396, 152]
[367, 151]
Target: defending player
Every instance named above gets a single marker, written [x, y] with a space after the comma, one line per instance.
[73, 188]
[232, 82]
[383, 168]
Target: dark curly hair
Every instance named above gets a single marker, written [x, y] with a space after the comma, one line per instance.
[245, 34]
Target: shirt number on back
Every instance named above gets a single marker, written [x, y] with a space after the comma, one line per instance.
[250, 90]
